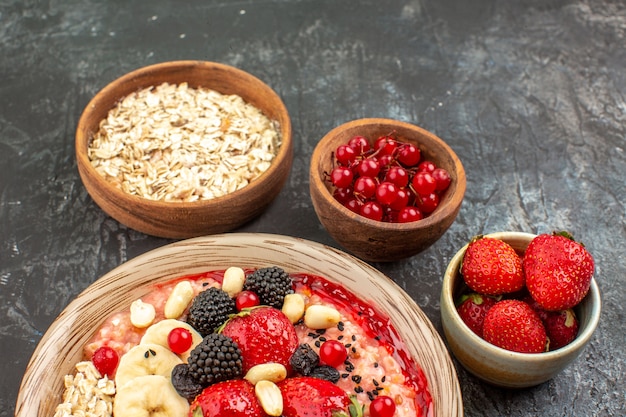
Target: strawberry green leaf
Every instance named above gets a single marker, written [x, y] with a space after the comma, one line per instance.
[563, 233]
[355, 408]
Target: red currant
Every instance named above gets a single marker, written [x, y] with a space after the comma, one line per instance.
[179, 340]
[360, 144]
[398, 176]
[369, 167]
[382, 406]
[423, 183]
[353, 205]
[427, 166]
[409, 214]
[386, 193]
[402, 199]
[428, 203]
[343, 194]
[409, 155]
[341, 177]
[246, 299]
[390, 215]
[372, 210]
[333, 353]
[386, 145]
[442, 178]
[105, 359]
[385, 160]
[386, 181]
[365, 187]
[345, 155]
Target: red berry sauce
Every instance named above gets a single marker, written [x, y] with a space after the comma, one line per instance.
[376, 325]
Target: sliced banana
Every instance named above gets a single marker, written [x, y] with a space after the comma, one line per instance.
[158, 333]
[146, 359]
[149, 396]
[179, 299]
[142, 314]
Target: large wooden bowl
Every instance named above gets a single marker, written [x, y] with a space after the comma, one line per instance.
[178, 219]
[382, 241]
[498, 366]
[61, 346]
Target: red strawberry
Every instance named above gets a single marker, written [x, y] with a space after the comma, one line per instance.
[473, 308]
[492, 267]
[263, 334]
[514, 325]
[233, 398]
[558, 271]
[561, 327]
[543, 314]
[312, 397]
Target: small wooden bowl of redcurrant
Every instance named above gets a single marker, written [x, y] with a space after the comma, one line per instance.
[518, 308]
[384, 189]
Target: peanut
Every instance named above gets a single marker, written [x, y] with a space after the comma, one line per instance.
[179, 299]
[293, 307]
[269, 397]
[319, 316]
[233, 281]
[274, 372]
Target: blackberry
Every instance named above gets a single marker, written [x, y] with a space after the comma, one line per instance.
[184, 383]
[304, 359]
[209, 310]
[217, 358]
[270, 284]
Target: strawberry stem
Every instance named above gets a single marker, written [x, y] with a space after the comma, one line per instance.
[242, 313]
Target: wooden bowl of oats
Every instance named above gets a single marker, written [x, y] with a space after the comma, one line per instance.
[185, 148]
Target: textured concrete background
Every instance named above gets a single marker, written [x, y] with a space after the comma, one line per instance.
[530, 94]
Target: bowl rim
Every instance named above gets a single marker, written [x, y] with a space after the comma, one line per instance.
[437, 216]
[576, 345]
[81, 142]
[314, 252]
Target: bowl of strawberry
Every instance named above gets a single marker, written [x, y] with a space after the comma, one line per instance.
[518, 308]
[384, 189]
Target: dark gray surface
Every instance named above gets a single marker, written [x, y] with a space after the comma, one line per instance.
[530, 94]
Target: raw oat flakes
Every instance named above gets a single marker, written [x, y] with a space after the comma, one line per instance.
[87, 393]
[177, 143]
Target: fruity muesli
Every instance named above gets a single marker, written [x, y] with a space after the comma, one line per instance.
[247, 343]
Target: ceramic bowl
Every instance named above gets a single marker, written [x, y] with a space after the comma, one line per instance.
[186, 219]
[378, 241]
[61, 346]
[498, 366]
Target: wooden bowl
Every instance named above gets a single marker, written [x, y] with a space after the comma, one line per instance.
[498, 366]
[186, 219]
[61, 346]
[377, 241]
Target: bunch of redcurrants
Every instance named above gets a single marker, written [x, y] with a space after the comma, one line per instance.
[387, 180]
